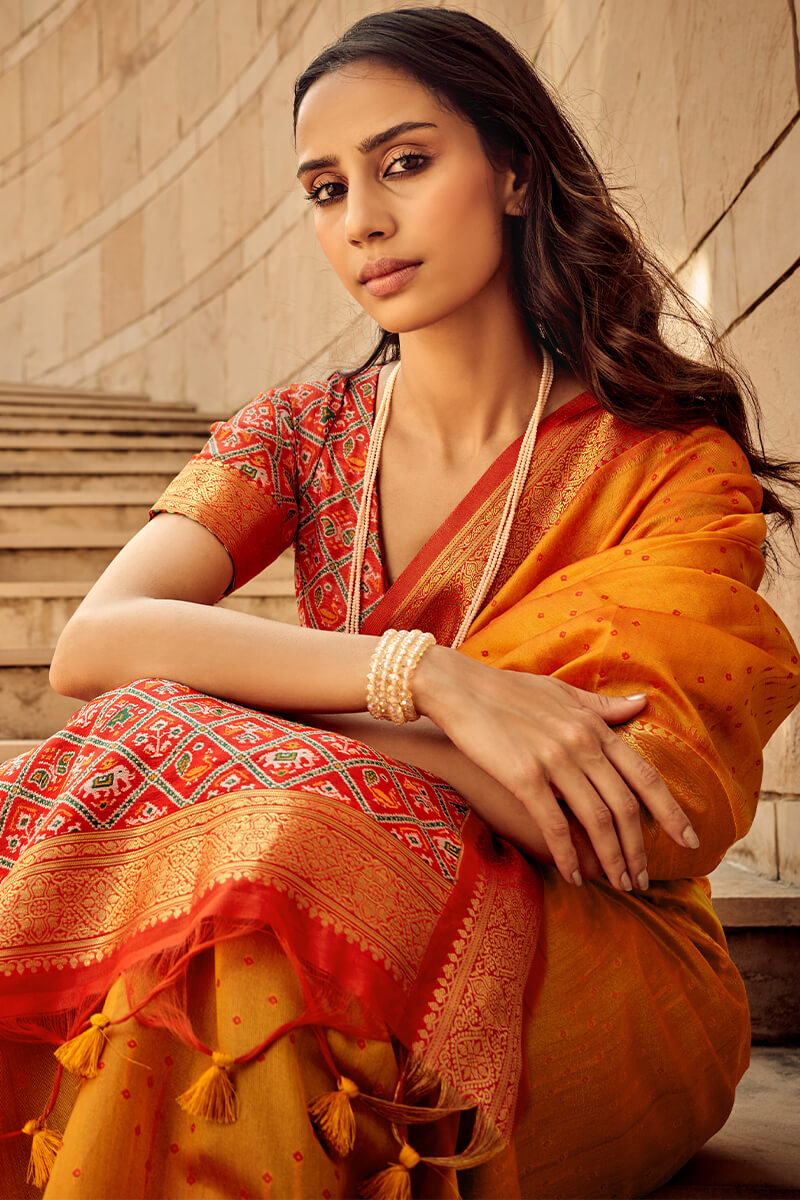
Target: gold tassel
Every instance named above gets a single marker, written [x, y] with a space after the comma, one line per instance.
[213, 1096]
[82, 1054]
[395, 1182]
[44, 1148]
[333, 1118]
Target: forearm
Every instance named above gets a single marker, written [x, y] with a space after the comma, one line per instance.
[250, 660]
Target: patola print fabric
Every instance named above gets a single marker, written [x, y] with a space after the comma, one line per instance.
[230, 890]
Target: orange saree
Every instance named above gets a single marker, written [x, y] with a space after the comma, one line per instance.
[205, 890]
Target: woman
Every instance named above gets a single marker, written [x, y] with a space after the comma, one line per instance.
[472, 951]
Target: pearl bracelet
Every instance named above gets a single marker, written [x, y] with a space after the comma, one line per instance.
[390, 669]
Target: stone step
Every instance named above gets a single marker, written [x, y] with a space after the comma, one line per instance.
[91, 442]
[33, 614]
[10, 749]
[66, 423]
[69, 395]
[87, 480]
[52, 461]
[42, 406]
[762, 926]
[29, 708]
[124, 509]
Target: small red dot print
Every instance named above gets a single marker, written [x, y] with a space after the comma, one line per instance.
[625, 654]
[292, 1038]
[151, 1081]
[540, 615]
[484, 653]
[237, 1020]
[167, 1060]
[701, 678]
[723, 549]
[563, 1033]
[676, 612]
[76, 1174]
[562, 634]
[637, 622]
[192, 1127]
[728, 676]
[298, 1156]
[174, 1148]
[248, 960]
[243, 1194]
[262, 1057]
[728, 708]
[645, 558]
[653, 478]
[614, 632]
[579, 593]
[563, 579]
[273, 999]
[266, 1177]
[628, 552]
[362, 1045]
[137, 1129]
[604, 597]
[125, 1094]
[326, 1194]
[492, 605]
[573, 612]
[734, 589]
[132, 1043]
[190, 1179]
[586, 645]
[102, 1065]
[692, 458]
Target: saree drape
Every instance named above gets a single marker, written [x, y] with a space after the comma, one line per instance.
[221, 881]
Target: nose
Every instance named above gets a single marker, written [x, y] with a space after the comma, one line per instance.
[367, 217]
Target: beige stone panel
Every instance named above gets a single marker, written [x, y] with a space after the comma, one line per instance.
[80, 172]
[710, 275]
[766, 228]
[238, 38]
[204, 357]
[10, 22]
[163, 261]
[83, 302]
[80, 54]
[125, 374]
[240, 147]
[735, 72]
[758, 850]
[122, 275]
[119, 34]
[34, 10]
[277, 146]
[11, 366]
[201, 221]
[41, 88]
[11, 108]
[158, 91]
[271, 13]
[119, 161]
[42, 327]
[43, 203]
[11, 210]
[164, 370]
[767, 344]
[291, 26]
[788, 815]
[151, 12]
[245, 339]
[196, 47]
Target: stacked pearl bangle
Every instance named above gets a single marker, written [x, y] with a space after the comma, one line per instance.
[390, 669]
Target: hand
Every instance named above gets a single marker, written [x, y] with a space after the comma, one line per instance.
[545, 740]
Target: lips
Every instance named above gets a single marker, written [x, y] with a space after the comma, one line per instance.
[384, 266]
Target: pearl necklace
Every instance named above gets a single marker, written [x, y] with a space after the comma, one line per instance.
[498, 549]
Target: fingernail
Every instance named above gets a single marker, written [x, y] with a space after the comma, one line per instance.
[643, 880]
[637, 696]
[690, 837]
[577, 878]
[625, 881]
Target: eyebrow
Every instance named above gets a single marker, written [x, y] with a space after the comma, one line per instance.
[373, 142]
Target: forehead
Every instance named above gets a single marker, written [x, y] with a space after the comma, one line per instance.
[346, 105]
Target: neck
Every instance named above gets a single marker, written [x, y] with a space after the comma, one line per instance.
[469, 381]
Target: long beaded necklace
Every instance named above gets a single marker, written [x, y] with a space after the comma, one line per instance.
[506, 521]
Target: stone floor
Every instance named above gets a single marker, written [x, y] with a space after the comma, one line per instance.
[757, 1154]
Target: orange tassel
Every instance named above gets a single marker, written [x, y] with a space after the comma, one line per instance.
[44, 1148]
[213, 1096]
[333, 1118]
[82, 1054]
[395, 1182]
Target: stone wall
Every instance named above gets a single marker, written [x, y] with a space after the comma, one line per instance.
[152, 236]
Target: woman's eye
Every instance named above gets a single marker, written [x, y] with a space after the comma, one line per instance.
[410, 162]
[322, 194]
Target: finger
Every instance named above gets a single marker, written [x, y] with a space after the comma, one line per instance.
[645, 781]
[613, 709]
[537, 797]
[627, 813]
[594, 814]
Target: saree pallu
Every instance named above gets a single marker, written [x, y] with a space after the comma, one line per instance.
[309, 908]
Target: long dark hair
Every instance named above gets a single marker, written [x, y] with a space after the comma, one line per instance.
[589, 288]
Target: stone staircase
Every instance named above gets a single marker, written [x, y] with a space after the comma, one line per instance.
[78, 472]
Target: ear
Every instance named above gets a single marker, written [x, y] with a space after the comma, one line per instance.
[517, 180]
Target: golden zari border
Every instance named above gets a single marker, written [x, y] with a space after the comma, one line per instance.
[76, 899]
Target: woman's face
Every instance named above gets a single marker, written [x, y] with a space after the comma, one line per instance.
[407, 207]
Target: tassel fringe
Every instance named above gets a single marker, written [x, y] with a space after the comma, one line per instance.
[45, 1146]
[81, 1055]
[395, 1182]
[333, 1118]
[213, 1097]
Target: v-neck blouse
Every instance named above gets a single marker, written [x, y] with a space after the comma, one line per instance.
[289, 468]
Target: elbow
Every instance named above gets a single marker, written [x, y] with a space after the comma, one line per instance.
[71, 665]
